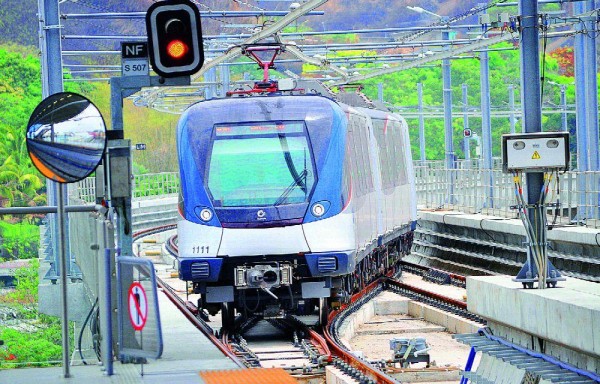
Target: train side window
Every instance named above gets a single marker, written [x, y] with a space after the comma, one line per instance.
[384, 153]
[354, 156]
[346, 177]
[360, 156]
[364, 155]
[400, 168]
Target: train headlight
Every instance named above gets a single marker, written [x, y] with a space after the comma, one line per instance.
[318, 209]
[206, 214]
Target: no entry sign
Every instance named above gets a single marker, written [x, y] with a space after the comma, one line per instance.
[138, 306]
[140, 331]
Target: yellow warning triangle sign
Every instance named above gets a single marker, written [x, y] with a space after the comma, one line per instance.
[536, 156]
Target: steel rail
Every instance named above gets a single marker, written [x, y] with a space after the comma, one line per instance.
[375, 374]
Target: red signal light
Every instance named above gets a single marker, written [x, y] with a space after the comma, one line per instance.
[174, 38]
[177, 49]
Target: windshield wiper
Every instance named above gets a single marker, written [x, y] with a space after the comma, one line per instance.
[290, 163]
[295, 183]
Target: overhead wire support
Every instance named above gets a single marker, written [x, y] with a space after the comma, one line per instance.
[464, 48]
[203, 14]
[287, 34]
[446, 22]
[267, 31]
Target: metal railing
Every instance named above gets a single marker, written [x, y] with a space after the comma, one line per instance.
[468, 188]
[146, 186]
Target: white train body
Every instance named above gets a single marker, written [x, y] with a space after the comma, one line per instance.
[295, 195]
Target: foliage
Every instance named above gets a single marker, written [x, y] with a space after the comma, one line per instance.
[566, 60]
[20, 92]
[155, 185]
[40, 344]
[400, 89]
[19, 241]
[40, 348]
[26, 290]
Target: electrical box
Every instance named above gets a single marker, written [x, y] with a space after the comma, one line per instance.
[119, 169]
[535, 152]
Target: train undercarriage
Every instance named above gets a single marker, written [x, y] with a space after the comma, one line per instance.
[274, 286]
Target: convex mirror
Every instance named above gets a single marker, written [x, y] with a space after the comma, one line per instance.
[66, 137]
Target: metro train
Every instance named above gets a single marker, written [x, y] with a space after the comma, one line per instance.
[290, 202]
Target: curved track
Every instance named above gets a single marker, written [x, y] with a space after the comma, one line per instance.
[325, 347]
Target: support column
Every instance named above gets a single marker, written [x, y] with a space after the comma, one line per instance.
[421, 123]
[486, 127]
[591, 104]
[449, 147]
[532, 122]
[466, 140]
[225, 79]
[511, 106]
[581, 117]
[563, 106]
[52, 82]
[210, 91]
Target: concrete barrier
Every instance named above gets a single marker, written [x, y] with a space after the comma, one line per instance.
[562, 322]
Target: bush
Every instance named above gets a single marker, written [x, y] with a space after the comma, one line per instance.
[19, 241]
[42, 344]
[41, 348]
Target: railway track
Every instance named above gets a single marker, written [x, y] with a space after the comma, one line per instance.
[303, 350]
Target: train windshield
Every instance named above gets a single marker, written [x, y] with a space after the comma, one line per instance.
[260, 164]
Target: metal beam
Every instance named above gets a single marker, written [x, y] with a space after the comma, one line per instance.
[203, 14]
[311, 60]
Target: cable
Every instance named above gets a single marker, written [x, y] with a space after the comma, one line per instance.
[81, 331]
[291, 295]
[95, 329]
[544, 27]
[486, 232]
[557, 208]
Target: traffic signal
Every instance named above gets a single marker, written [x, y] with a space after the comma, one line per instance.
[174, 38]
[467, 132]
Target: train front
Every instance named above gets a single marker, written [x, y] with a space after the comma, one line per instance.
[264, 224]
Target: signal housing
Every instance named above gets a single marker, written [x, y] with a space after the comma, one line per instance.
[174, 38]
